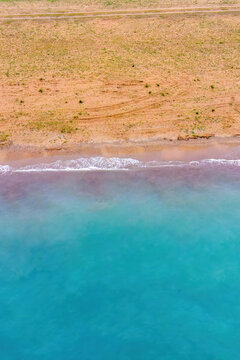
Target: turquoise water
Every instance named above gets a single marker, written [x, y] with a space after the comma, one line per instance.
[140, 264]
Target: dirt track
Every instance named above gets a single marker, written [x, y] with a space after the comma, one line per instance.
[122, 13]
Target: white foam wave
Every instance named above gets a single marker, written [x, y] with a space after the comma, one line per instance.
[4, 169]
[235, 162]
[110, 164]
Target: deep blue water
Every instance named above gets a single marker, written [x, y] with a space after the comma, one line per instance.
[139, 265]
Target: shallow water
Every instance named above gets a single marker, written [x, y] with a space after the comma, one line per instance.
[138, 264]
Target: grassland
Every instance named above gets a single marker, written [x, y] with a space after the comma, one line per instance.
[119, 79]
[36, 6]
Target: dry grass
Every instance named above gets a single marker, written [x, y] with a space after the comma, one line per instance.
[86, 80]
[35, 6]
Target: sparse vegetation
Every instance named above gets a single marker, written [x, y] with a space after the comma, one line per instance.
[3, 137]
[70, 5]
[67, 129]
[192, 71]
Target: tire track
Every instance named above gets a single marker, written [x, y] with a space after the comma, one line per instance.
[121, 13]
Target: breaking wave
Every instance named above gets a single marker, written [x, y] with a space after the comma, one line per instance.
[110, 164]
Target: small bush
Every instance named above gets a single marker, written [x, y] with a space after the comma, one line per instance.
[66, 129]
[3, 137]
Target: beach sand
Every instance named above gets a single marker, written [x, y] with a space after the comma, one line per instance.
[199, 149]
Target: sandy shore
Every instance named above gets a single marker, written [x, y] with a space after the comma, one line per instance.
[218, 148]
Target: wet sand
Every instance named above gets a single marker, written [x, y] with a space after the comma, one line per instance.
[179, 150]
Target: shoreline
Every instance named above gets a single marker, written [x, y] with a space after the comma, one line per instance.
[165, 150]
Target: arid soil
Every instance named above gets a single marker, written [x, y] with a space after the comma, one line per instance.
[119, 80]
